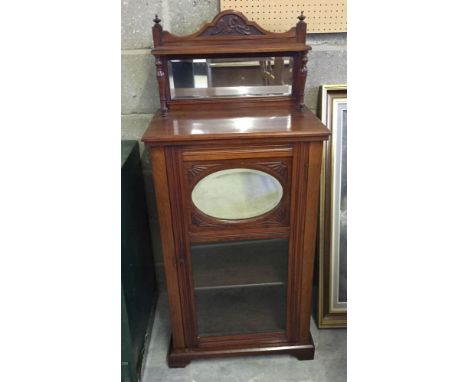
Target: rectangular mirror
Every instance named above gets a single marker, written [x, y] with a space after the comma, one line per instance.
[230, 77]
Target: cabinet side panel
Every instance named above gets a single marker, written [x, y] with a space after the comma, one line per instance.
[310, 223]
[298, 201]
[158, 163]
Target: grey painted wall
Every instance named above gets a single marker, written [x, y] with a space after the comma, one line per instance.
[139, 95]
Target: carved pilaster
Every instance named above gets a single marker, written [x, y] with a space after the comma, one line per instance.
[162, 82]
[302, 79]
[300, 63]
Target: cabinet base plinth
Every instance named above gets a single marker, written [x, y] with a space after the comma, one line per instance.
[180, 359]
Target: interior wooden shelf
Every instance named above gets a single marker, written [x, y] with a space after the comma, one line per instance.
[242, 263]
[241, 310]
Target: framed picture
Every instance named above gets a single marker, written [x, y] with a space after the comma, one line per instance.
[332, 227]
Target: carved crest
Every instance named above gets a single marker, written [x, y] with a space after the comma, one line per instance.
[231, 25]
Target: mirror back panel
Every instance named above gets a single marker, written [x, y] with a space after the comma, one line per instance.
[230, 77]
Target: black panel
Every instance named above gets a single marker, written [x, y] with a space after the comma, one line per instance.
[137, 265]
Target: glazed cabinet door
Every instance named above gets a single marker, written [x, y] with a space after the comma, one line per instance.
[235, 221]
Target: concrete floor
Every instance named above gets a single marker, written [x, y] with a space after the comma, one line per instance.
[329, 364]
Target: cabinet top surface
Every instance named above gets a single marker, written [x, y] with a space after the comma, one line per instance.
[268, 122]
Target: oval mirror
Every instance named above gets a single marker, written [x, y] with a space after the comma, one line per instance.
[238, 193]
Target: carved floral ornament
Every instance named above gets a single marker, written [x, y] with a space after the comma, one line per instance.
[197, 169]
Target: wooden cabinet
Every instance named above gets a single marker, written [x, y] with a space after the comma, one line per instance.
[237, 181]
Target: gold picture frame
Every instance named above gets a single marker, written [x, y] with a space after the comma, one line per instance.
[331, 300]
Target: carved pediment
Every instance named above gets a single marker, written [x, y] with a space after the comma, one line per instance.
[226, 26]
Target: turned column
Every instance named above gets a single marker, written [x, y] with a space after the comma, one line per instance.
[301, 65]
[160, 66]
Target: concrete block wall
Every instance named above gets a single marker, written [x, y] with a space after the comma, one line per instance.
[139, 93]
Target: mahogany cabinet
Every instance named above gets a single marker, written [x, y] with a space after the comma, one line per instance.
[236, 172]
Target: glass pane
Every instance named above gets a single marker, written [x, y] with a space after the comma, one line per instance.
[342, 290]
[339, 207]
[240, 287]
[230, 77]
[238, 193]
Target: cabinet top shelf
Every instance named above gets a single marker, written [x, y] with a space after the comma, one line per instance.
[230, 32]
[228, 123]
[240, 49]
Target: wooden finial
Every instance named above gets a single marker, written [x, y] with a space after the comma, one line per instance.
[301, 17]
[157, 20]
